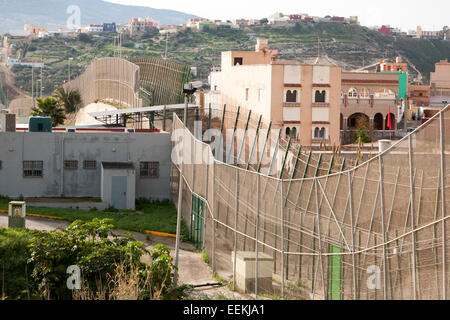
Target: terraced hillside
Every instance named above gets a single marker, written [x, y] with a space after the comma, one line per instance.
[349, 46]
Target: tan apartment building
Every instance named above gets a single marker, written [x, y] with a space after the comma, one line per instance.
[301, 100]
[309, 102]
[440, 85]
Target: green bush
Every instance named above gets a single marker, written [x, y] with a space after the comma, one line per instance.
[15, 282]
[90, 245]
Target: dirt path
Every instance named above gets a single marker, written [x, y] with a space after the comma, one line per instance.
[192, 269]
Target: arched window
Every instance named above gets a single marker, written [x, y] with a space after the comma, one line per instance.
[294, 133]
[291, 96]
[353, 93]
[288, 132]
[316, 133]
[320, 96]
[322, 133]
[364, 93]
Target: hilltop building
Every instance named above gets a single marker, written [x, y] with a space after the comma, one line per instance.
[34, 30]
[440, 85]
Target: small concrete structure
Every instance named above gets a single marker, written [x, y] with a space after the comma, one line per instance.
[246, 269]
[383, 145]
[16, 214]
[118, 185]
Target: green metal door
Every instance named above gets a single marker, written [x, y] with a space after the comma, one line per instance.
[197, 221]
[335, 290]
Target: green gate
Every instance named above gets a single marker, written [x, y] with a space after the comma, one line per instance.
[335, 290]
[197, 221]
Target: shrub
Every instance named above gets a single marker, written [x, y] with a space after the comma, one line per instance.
[14, 271]
[363, 136]
[90, 245]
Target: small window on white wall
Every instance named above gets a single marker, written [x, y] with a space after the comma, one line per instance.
[260, 94]
[246, 94]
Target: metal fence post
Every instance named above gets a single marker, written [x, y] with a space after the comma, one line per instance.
[180, 198]
[282, 239]
[413, 208]
[257, 233]
[213, 255]
[353, 234]
[444, 237]
[380, 159]
[235, 227]
[320, 239]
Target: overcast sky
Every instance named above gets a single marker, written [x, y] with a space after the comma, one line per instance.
[431, 14]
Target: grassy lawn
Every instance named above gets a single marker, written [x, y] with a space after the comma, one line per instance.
[160, 217]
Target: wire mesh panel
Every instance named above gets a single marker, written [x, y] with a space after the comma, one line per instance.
[373, 232]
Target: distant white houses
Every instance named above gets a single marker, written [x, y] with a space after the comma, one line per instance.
[14, 61]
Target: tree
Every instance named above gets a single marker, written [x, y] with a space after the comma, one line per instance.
[70, 99]
[83, 37]
[264, 21]
[50, 107]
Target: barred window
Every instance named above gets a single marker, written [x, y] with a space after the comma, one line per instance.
[70, 164]
[150, 170]
[33, 169]
[90, 164]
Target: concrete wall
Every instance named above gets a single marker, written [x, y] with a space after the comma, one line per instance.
[54, 148]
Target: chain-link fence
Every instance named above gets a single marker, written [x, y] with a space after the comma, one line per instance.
[307, 226]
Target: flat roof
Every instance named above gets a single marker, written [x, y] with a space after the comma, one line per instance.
[139, 110]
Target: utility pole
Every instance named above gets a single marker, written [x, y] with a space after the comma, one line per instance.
[120, 70]
[32, 85]
[70, 59]
[42, 80]
[318, 47]
[167, 40]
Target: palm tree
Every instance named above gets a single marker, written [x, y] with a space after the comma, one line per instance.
[49, 107]
[70, 99]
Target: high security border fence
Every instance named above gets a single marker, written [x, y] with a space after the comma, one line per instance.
[109, 78]
[373, 231]
[162, 80]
